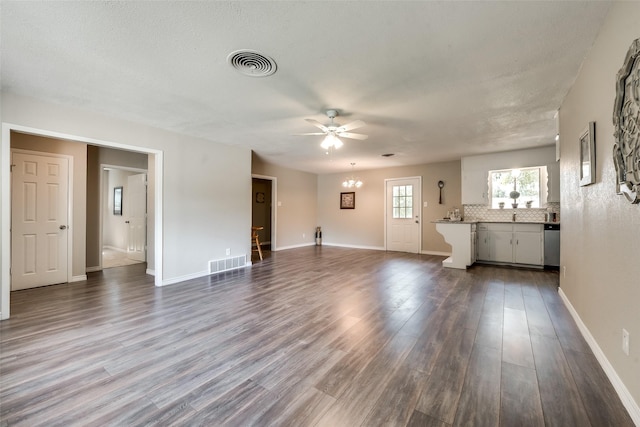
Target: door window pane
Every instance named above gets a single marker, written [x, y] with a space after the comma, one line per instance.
[402, 201]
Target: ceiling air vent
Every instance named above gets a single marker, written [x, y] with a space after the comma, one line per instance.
[251, 63]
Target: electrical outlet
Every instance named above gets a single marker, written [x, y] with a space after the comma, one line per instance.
[304, 235]
[625, 341]
[228, 251]
[426, 204]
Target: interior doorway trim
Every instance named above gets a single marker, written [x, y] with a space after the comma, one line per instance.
[5, 214]
[274, 198]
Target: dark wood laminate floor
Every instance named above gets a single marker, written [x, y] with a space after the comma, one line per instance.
[311, 336]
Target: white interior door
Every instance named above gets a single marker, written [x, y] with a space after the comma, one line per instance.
[135, 208]
[39, 220]
[403, 229]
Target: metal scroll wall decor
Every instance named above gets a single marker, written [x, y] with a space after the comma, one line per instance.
[626, 122]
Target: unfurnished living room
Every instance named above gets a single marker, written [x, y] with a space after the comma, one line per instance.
[324, 213]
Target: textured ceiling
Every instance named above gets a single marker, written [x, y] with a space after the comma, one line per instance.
[432, 80]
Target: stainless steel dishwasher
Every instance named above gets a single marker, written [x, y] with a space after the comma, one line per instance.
[552, 246]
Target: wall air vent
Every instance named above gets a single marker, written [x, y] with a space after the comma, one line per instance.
[226, 264]
[251, 63]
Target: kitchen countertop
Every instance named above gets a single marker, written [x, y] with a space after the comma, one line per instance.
[518, 222]
[446, 221]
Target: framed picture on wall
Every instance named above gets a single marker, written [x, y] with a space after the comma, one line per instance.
[588, 155]
[348, 200]
[117, 201]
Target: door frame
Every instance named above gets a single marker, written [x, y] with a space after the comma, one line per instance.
[103, 166]
[274, 198]
[70, 230]
[418, 204]
[5, 197]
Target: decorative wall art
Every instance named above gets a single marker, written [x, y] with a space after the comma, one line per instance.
[348, 200]
[626, 122]
[588, 155]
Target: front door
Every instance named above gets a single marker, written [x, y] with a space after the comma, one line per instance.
[136, 212]
[403, 230]
[39, 220]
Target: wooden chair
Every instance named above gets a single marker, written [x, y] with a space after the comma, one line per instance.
[255, 239]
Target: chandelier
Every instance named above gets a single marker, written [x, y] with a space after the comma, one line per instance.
[352, 181]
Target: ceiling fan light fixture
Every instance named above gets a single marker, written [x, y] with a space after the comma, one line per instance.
[334, 130]
[331, 141]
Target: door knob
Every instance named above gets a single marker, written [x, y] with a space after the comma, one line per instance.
[417, 222]
[63, 227]
[126, 222]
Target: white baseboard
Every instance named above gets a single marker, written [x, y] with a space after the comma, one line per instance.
[79, 278]
[150, 272]
[302, 245]
[341, 245]
[179, 279]
[626, 398]
[93, 269]
[436, 253]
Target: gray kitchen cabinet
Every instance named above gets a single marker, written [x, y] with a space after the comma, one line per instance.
[510, 243]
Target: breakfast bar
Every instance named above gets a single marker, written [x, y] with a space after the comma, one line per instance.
[461, 235]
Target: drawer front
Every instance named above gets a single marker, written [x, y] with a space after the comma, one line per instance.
[535, 228]
[501, 226]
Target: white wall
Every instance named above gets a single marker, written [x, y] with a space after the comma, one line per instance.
[296, 204]
[364, 225]
[206, 187]
[601, 230]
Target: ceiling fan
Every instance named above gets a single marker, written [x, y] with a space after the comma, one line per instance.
[334, 130]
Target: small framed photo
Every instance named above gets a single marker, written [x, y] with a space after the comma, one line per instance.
[588, 155]
[117, 201]
[348, 200]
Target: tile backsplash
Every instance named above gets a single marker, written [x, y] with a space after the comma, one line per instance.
[483, 213]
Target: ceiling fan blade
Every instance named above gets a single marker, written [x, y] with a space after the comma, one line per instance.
[318, 124]
[352, 125]
[314, 133]
[352, 135]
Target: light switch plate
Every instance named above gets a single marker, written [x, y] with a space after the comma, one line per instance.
[625, 341]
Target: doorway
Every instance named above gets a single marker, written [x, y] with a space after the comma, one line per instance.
[156, 201]
[123, 230]
[263, 211]
[403, 198]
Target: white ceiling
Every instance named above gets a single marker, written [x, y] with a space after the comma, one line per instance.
[432, 80]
